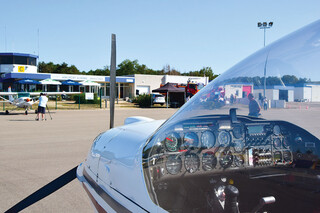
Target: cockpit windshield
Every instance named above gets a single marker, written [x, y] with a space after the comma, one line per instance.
[249, 140]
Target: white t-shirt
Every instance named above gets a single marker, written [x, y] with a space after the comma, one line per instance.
[43, 101]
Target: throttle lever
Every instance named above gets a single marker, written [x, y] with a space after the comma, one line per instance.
[231, 202]
[264, 201]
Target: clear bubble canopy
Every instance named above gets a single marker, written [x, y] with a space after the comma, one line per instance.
[291, 62]
[257, 124]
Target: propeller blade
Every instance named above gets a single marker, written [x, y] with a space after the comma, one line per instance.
[45, 190]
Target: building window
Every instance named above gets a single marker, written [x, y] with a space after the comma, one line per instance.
[6, 59]
[23, 60]
[32, 61]
[20, 60]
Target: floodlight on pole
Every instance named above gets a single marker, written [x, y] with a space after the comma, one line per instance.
[264, 26]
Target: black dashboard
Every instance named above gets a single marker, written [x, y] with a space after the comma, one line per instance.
[204, 145]
[195, 164]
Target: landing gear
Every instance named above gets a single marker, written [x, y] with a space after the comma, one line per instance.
[26, 112]
[7, 112]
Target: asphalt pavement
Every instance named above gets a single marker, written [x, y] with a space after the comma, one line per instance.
[33, 153]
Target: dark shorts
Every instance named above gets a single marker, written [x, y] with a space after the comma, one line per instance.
[41, 110]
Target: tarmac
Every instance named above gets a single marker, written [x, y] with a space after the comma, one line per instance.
[33, 153]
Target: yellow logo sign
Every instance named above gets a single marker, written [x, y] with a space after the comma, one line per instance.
[20, 68]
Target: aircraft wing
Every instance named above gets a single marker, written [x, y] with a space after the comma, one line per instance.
[54, 93]
[38, 93]
[4, 100]
[8, 93]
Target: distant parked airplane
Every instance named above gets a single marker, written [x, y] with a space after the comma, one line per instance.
[24, 99]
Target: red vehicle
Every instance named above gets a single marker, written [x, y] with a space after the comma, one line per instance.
[192, 88]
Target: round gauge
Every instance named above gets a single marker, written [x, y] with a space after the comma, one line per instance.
[173, 164]
[298, 139]
[237, 132]
[224, 138]
[276, 130]
[191, 162]
[190, 141]
[277, 156]
[238, 145]
[208, 139]
[172, 142]
[277, 143]
[238, 160]
[287, 156]
[225, 159]
[286, 142]
[209, 161]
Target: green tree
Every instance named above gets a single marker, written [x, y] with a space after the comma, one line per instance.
[167, 70]
[127, 67]
[104, 72]
[289, 79]
[204, 72]
[207, 71]
[46, 67]
[57, 68]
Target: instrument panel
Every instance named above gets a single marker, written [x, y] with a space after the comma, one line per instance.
[199, 147]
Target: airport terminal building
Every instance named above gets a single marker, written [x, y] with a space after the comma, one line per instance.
[18, 66]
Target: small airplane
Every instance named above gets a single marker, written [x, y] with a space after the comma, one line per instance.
[24, 99]
[209, 157]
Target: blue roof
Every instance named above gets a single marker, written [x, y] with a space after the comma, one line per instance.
[70, 83]
[20, 54]
[25, 75]
[41, 76]
[28, 81]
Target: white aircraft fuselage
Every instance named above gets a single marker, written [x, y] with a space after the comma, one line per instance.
[23, 102]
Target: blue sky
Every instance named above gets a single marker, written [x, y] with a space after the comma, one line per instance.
[185, 34]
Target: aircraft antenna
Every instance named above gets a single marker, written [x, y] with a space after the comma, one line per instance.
[112, 79]
[38, 44]
[5, 37]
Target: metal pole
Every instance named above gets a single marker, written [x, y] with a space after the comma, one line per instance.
[38, 45]
[265, 76]
[5, 37]
[79, 100]
[56, 101]
[100, 99]
[49, 111]
[167, 99]
[264, 37]
[112, 79]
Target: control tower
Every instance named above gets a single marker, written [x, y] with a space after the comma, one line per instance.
[18, 63]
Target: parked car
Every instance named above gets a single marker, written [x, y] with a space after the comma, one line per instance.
[158, 99]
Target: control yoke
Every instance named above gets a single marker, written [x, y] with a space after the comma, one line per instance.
[233, 115]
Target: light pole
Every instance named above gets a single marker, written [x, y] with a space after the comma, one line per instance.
[264, 26]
